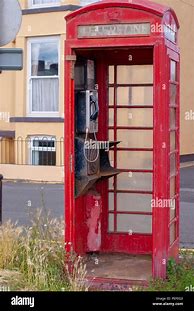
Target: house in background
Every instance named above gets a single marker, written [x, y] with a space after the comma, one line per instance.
[32, 101]
[31, 104]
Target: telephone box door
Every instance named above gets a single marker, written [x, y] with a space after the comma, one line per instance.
[130, 123]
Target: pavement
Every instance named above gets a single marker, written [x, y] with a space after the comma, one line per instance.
[187, 207]
[21, 199]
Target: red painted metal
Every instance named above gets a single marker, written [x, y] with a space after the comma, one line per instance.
[141, 5]
[110, 284]
[93, 221]
[158, 50]
[173, 248]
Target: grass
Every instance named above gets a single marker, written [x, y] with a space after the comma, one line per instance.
[33, 258]
[180, 276]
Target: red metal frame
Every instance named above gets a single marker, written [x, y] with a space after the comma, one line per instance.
[173, 249]
[123, 242]
[107, 12]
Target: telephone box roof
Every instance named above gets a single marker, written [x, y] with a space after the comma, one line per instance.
[144, 5]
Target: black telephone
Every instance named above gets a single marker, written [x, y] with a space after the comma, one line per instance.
[87, 159]
[86, 111]
[93, 104]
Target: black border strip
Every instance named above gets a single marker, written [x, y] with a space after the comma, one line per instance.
[61, 8]
[36, 119]
[8, 134]
[187, 158]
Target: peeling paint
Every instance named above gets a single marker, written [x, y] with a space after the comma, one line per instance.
[94, 223]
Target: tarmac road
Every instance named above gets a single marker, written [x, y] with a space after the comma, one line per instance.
[21, 199]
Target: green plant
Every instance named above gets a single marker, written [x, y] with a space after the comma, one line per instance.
[10, 238]
[42, 253]
[38, 254]
[12, 280]
[179, 275]
[76, 273]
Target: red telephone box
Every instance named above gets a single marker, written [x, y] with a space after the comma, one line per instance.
[122, 137]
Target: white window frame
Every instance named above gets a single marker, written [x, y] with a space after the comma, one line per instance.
[29, 77]
[43, 5]
[87, 2]
[34, 148]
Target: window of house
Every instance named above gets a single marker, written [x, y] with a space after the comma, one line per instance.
[43, 76]
[86, 2]
[43, 150]
[43, 3]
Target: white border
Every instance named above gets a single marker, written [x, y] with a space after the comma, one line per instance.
[33, 148]
[43, 5]
[29, 111]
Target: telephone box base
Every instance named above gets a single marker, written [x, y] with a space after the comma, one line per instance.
[118, 271]
[107, 284]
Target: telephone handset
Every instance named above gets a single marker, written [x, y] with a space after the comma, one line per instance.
[87, 111]
[94, 108]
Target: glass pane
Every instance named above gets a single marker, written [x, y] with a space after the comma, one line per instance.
[134, 181]
[135, 117]
[135, 74]
[111, 74]
[35, 157]
[140, 96]
[173, 164]
[44, 58]
[172, 187]
[111, 117]
[170, 33]
[135, 160]
[36, 142]
[111, 135]
[111, 157]
[111, 201]
[172, 233]
[79, 76]
[173, 94]
[111, 223]
[111, 96]
[45, 94]
[172, 141]
[111, 183]
[42, 2]
[173, 210]
[43, 158]
[129, 202]
[134, 223]
[135, 138]
[172, 117]
[44, 143]
[86, 2]
[172, 70]
[90, 74]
